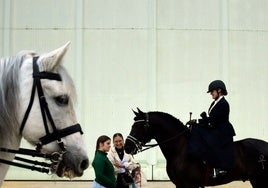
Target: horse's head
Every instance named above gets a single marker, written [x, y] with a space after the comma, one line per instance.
[139, 134]
[46, 111]
[160, 126]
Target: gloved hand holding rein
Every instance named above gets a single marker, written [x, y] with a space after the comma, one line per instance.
[191, 122]
[203, 115]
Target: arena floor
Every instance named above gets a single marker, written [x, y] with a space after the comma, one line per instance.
[87, 184]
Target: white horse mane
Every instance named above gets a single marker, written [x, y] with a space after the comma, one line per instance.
[9, 85]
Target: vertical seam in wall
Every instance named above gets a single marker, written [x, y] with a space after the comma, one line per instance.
[79, 38]
[156, 52]
[152, 70]
[6, 12]
[224, 38]
[152, 55]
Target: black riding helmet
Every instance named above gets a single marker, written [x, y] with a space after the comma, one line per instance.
[217, 84]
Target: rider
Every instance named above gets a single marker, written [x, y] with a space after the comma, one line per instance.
[212, 139]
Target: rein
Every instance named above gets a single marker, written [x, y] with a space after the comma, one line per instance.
[45, 167]
[56, 135]
[139, 145]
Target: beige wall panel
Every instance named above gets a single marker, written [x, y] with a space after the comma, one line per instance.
[248, 15]
[116, 13]
[187, 62]
[248, 81]
[2, 13]
[43, 14]
[5, 27]
[1, 42]
[116, 81]
[188, 14]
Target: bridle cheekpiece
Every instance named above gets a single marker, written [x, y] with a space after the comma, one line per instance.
[140, 144]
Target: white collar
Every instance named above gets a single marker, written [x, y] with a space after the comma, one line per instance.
[215, 102]
[220, 97]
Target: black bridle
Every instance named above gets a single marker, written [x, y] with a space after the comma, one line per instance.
[55, 135]
[141, 144]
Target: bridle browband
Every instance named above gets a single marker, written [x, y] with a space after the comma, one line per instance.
[56, 134]
[139, 144]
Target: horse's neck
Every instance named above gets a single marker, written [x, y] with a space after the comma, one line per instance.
[171, 141]
[9, 103]
[4, 168]
[13, 144]
[176, 147]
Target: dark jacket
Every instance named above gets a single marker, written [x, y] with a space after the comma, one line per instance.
[219, 118]
[104, 170]
[212, 139]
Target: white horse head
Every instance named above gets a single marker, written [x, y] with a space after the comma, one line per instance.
[56, 100]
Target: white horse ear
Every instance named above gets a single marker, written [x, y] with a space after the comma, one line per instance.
[53, 59]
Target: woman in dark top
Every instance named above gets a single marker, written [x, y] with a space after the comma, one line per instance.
[104, 170]
[212, 136]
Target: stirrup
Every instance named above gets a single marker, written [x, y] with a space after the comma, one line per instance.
[214, 174]
[218, 172]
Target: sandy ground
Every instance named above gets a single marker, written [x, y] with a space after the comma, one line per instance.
[87, 184]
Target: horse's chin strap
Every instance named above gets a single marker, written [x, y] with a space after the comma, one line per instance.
[56, 135]
[135, 141]
[139, 145]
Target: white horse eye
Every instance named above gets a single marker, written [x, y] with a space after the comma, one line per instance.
[61, 100]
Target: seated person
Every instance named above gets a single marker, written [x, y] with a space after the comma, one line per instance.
[212, 136]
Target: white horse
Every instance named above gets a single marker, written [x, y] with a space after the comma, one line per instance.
[50, 121]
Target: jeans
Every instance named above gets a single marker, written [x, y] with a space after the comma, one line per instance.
[97, 185]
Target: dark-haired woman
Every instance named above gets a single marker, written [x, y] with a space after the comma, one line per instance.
[121, 161]
[212, 137]
[103, 168]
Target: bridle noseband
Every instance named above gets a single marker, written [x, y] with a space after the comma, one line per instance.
[140, 144]
[56, 134]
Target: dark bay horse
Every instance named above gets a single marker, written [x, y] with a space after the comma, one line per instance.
[184, 171]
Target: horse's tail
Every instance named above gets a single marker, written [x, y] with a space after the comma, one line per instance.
[254, 153]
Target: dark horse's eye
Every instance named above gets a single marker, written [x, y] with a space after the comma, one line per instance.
[62, 100]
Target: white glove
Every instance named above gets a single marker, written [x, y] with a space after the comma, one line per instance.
[122, 170]
[126, 164]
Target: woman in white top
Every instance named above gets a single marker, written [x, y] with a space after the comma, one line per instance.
[121, 161]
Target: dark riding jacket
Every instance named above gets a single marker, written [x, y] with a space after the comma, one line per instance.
[212, 139]
[219, 118]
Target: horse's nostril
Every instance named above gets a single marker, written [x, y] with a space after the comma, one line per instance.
[84, 164]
